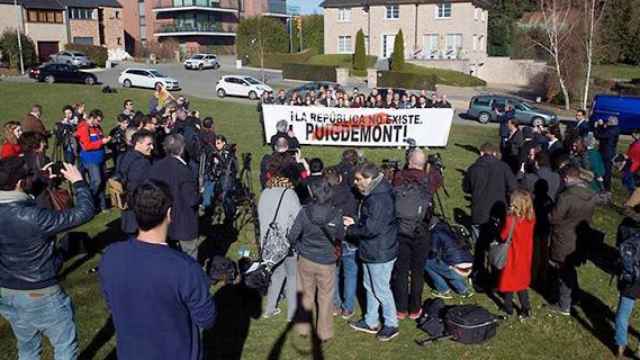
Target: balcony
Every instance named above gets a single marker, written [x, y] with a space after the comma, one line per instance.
[193, 29]
[190, 5]
[277, 8]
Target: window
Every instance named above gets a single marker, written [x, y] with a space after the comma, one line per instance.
[476, 13]
[482, 101]
[392, 12]
[475, 42]
[454, 45]
[443, 10]
[366, 44]
[483, 15]
[119, 41]
[117, 14]
[83, 40]
[481, 43]
[82, 14]
[344, 15]
[431, 46]
[344, 45]
[45, 16]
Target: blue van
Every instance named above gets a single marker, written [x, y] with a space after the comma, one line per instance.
[626, 108]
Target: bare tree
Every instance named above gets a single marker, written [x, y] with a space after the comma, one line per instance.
[557, 28]
[593, 13]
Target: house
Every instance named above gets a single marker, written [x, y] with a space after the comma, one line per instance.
[194, 24]
[52, 24]
[432, 29]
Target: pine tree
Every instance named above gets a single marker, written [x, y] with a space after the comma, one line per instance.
[397, 58]
[360, 57]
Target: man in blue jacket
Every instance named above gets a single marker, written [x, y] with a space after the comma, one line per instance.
[376, 231]
[30, 297]
[159, 298]
[183, 184]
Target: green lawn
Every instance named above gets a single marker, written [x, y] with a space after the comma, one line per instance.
[618, 71]
[445, 77]
[585, 336]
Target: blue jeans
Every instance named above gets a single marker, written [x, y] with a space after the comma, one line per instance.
[443, 277]
[628, 180]
[208, 193]
[625, 307]
[95, 178]
[33, 313]
[349, 268]
[377, 283]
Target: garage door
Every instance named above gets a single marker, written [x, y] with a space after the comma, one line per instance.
[46, 48]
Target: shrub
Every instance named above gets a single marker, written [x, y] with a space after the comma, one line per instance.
[165, 50]
[276, 60]
[406, 80]
[397, 58]
[445, 77]
[309, 72]
[359, 57]
[312, 34]
[10, 52]
[97, 54]
[260, 34]
[340, 60]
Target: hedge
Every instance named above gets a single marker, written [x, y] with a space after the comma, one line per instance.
[96, 54]
[308, 72]
[276, 60]
[406, 80]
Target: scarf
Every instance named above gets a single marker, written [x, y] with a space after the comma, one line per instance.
[279, 182]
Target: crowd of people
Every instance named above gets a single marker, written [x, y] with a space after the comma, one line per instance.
[351, 225]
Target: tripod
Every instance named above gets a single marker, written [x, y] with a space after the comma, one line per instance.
[246, 200]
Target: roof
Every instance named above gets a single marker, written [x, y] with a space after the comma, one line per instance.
[62, 4]
[354, 3]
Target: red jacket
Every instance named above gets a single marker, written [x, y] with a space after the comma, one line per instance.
[90, 137]
[516, 275]
[634, 155]
[10, 150]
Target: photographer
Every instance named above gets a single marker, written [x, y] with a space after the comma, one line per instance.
[118, 145]
[31, 299]
[65, 135]
[299, 165]
[285, 131]
[222, 170]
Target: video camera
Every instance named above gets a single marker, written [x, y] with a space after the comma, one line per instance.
[390, 164]
[435, 160]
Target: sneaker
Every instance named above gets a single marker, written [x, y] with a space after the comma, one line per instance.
[402, 315]
[442, 295]
[346, 314]
[362, 326]
[275, 312]
[415, 315]
[526, 315]
[555, 308]
[466, 295]
[387, 333]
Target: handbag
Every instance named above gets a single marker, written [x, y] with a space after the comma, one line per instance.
[498, 250]
[275, 246]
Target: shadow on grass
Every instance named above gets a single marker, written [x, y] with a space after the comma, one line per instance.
[469, 148]
[99, 340]
[237, 306]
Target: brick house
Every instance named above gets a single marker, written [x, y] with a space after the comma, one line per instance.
[52, 24]
[194, 24]
[432, 29]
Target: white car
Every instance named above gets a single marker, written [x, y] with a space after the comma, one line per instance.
[239, 85]
[202, 61]
[147, 78]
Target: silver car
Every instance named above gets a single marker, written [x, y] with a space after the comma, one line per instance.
[75, 58]
[202, 61]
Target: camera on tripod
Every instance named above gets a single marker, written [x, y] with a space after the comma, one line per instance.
[435, 160]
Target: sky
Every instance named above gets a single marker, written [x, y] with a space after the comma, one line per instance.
[307, 6]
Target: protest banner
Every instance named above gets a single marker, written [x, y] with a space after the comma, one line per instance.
[315, 125]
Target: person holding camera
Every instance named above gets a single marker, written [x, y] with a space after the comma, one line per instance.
[376, 231]
[31, 298]
[224, 171]
[284, 130]
[413, 202]
[92, 155]
[65, 138]
[153, 290]
[119, 145]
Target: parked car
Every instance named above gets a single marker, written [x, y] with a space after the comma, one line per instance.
[202, 61]
[239, 85]
[52, 73]
[626, 108]
[483, 108]
[147, 78]
[75, 58]
[315, 86]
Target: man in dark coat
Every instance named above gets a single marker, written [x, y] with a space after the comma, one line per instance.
[183, 183]
[376, 230]
[608, 134]
[570, 220]
[283, 132]
[133, 170]
[582, 124]
[488, 181]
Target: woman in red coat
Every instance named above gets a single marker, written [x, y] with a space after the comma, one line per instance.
[515, 277]
[11, 133]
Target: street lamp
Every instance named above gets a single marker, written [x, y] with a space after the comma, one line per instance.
[253, 42]
[19, 24]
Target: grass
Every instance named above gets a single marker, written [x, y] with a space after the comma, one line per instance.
[445, 77]
[587, 335]
[616, 71]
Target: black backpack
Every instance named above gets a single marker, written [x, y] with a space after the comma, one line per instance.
[466, 324]
[629, 251]
[413, 206]
[431, 320]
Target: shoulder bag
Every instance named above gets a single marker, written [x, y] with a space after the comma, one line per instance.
[498, 250]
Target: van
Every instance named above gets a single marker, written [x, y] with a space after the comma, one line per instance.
[626, 108]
